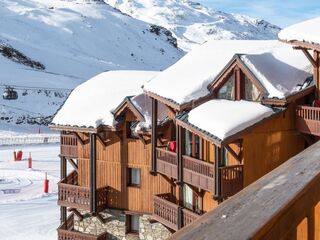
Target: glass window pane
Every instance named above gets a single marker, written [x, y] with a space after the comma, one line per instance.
[135, 176]
[251, 92]
[187, 196]
[227, 90]
[134, 223]
[188, 143]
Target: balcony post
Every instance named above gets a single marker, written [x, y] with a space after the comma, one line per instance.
[316, 72]
[154, 136]
[63, 175]
[93, 179]
[180, 152]
[180, 218]
[217, 164]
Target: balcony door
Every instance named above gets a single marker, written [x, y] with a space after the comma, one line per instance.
[191, 200]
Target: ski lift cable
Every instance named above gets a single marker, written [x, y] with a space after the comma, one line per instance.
[34, 88]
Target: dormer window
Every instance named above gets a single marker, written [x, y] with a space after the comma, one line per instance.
[228, 89]
[251, 92]
[238, 86]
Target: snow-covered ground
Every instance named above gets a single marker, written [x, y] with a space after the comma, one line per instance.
[26, 212]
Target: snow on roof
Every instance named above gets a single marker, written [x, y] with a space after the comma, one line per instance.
[307, 31]
[188, 79]
[280, 70]
[224, 118]
[91, 103]
[275, 64]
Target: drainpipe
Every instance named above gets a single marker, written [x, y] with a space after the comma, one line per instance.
[93, 179]
[154, 136]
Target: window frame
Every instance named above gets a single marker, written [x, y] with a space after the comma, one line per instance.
[129, 177]
[128, 224]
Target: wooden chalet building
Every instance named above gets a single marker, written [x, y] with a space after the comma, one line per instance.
[285, 203]
[238, 125]
[108, 191]
[148, 163]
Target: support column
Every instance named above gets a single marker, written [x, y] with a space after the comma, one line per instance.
[63, 175]
[154, 136]
[93, 178]
[316, 72]
[217, 164]
[180, 153]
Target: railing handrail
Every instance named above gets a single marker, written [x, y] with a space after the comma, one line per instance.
[166, 151]
[198, 161]
[189, 212]
[231, 166]
[165, 201]
[308, 112]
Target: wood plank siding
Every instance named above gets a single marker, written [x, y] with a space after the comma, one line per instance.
[113, 161]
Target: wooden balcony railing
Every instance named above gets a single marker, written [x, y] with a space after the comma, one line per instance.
[308, 120]
[66, 232]
[198, 173]
[283, 204]
[189, 216]
[71, 195]
[231, 180]
[165, 210]
[68, 145]
[167, 163]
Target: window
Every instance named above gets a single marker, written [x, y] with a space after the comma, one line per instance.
[227, 89]
[132, 224]
[191, 200]
[134, 177]
[251, 91]
[192, 144]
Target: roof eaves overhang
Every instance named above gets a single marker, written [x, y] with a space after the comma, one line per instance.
[302, 44]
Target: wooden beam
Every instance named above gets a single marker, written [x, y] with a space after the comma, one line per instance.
[310, 58]
[73, 164]
[82, 142]
[76, 212]
[237, 156]
[63, 175]
[93, 176]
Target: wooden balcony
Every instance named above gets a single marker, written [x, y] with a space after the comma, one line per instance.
[308, 120]
[74, 196]
[283, 204]
[68, 145]
[167, 211]
[231, 180]
[167, 163]
[66, 232]
[198, 173]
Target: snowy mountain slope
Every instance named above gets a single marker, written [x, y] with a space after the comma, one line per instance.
[193, 23]
[73, 40]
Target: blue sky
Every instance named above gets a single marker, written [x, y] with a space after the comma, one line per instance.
[279, 12]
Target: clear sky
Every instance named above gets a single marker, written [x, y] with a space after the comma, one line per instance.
[279, 12]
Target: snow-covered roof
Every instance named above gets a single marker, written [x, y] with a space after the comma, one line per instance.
[307, 31]
[282, 71]
[224, 118]
[188, 79]
[91, 103]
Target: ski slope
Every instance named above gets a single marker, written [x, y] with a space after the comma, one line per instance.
[26, 212]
